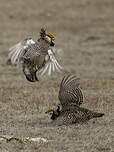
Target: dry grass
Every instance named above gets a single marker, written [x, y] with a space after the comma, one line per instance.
[85, 36]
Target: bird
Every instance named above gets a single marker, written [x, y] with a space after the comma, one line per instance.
[69, 111]
[35, 55]
[72, 114]
[54, 113]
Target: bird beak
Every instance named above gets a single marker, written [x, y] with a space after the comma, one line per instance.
[49, 110]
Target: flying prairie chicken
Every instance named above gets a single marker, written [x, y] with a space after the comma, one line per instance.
[35, 55]
[70, 99]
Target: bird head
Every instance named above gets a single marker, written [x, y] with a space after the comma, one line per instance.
[54, 113]
[50, 111]
[50, 38]
[47, 36]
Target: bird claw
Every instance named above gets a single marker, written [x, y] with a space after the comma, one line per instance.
[32, 77]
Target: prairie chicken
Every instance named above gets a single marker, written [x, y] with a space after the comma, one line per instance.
[35, 56]
[72, 114]
[71, 97]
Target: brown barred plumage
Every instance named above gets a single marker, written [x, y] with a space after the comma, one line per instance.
[69, 91]
[38, 49]
[33, 55]
[73, 114]
[71, 97]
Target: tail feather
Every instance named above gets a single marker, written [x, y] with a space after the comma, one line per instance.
[98, 115]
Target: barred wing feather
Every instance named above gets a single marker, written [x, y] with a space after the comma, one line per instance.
[69, 91]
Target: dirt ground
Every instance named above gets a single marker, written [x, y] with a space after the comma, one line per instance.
[84, 32]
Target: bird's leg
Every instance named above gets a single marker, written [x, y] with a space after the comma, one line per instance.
[34, 74]
[27, 73]
[29, 70]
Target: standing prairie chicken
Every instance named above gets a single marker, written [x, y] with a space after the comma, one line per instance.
[71, 97]
[35, 55]
[72, 114]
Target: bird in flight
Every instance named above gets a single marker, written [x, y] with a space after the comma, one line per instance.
[69, 110]
[35, 56]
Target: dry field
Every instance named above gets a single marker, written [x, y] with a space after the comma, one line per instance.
[84, 33]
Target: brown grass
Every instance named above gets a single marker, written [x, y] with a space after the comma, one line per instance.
[85, 36]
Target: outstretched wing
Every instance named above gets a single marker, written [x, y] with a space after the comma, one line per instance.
[51, 64]
[16, 51]
[69, 91]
